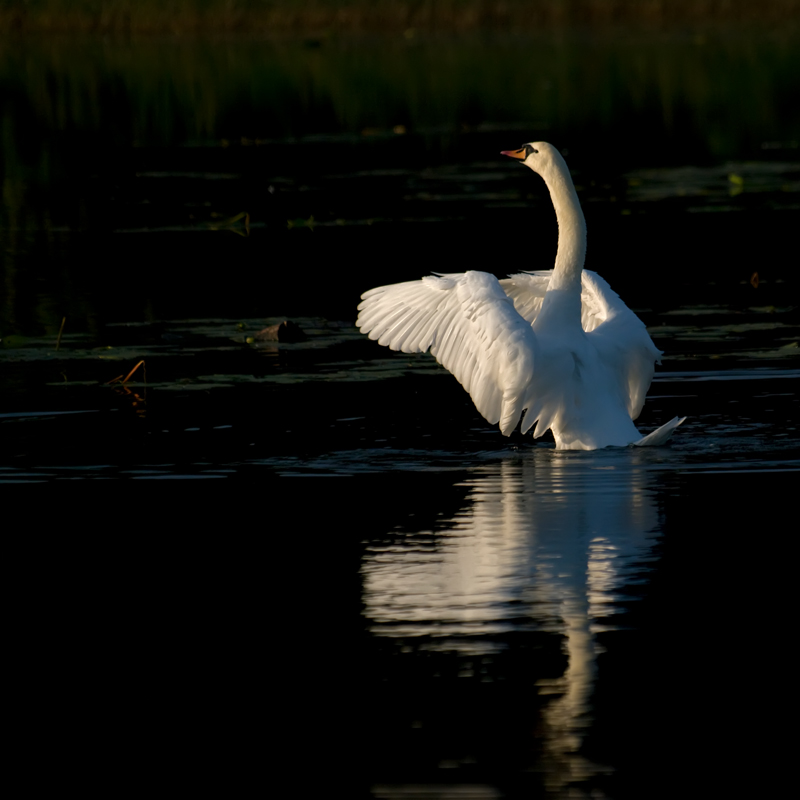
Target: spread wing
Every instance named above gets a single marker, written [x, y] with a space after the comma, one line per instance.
[620, 337]
[470, 326]
[621, 340]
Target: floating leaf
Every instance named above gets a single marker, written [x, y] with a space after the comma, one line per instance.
[301, 223]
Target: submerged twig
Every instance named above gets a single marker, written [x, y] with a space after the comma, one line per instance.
[128, 376]
[60, 331]
[121, 379]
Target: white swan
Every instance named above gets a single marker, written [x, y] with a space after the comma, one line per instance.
[558, 344]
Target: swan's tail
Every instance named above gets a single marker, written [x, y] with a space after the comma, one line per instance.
[659, 435]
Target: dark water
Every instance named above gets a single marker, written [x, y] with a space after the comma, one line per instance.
[313, 565]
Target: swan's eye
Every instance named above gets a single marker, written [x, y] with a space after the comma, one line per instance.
[529, 150]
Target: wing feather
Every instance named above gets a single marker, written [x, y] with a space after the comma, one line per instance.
[472, 329]
[621, 340]
[527, 291]
[407, 328]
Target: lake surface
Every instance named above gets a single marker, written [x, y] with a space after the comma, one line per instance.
[313, 564]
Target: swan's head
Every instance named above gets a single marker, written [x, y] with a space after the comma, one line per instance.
[541, 157]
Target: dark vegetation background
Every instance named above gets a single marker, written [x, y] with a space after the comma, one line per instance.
[157, 139]
[272, 16]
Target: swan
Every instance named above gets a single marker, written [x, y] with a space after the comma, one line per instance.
[557, 345]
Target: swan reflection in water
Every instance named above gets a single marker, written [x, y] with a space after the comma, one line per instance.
[545, 542]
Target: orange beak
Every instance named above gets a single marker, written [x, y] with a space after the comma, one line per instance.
[520, 154]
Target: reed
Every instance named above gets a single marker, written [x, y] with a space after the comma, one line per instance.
[260, 17]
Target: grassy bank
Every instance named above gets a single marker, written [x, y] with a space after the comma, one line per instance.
[286, 16]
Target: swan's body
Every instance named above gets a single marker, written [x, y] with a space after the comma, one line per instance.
[559, 344]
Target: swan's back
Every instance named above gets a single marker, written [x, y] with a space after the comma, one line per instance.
[598, 300]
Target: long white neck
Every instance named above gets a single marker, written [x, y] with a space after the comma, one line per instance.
[571, 231]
